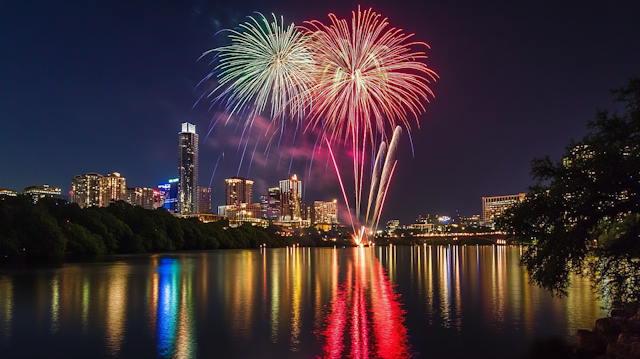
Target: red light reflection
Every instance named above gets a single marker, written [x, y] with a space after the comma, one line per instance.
[365, 318]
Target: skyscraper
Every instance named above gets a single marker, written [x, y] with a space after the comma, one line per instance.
[85, 190]
[188, 169]
[238, 190]
[112, 188]
[290, 199]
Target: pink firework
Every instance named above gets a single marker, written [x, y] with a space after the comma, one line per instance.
[368, 79]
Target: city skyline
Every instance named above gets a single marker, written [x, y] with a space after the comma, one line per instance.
[109, 94]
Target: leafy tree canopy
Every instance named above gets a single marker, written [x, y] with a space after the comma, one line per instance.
[583, 214]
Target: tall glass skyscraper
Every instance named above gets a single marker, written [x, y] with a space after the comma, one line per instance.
[188, 169]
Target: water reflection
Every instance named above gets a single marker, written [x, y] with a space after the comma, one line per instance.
[487, 281]
[288, 303]
[365, 309]
[175, 317]
[6, 309]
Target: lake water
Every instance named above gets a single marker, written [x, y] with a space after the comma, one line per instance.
[387, 302]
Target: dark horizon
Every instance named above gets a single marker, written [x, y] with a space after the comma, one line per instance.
[104, 86]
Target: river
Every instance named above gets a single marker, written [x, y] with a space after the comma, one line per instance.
[387, 302]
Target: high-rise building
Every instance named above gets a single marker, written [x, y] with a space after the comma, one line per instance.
[37, 192]
[170, 192]
[238, 190]
[494, 207]
[325, 212]
[147, 198]
[188, 169]
[85, 190]
[273, 212]
[112, 188]
[204, 200]
[290, 199]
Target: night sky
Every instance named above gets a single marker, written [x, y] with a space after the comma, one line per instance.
[103, 86]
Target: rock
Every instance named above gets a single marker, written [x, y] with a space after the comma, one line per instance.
[635, 349]
[619, 351]
[610, 327]
[628, 338]
[590, 344]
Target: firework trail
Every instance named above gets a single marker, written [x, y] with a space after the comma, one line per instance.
[367, 80]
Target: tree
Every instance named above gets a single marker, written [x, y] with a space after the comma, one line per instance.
[582, 215]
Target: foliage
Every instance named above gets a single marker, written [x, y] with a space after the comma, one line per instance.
[582, 214]
[53, 227]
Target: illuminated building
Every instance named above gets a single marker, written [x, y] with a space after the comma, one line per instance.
[204, 200]
[147, 198]
[170, 192]
[238, 190]
[188, 169]
[290, 199]
[243, 211]
[274, 203]
[393, 224]
[85, 190]
[37, 192]
[8, 192]
[264, 206]
[325, 212]
[471, 222]
[112, 188]
[494, 207]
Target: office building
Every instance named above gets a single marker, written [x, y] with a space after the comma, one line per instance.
[238, 190]
[112, 188]
[204, 200]
[188, 169]
[85, 190]
[494, 207]
[170, 193]
[147, 198]
[37, 192]
[290, 199]
[325, 212]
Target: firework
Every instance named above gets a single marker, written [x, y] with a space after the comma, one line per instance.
[266, 62]
[368, 79]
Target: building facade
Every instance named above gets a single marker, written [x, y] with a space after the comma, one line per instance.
[85, 190]
[8, 192]
[188, 169]
[273, 211]
[494, 207]
[238, 190]
[290, 199]
[170, 192]
[147, 198]
[37, 192]
[204, 200]
[113, 188]
[325, 212]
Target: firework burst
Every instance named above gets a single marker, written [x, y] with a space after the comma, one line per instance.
[368, 79]
[266, 62]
